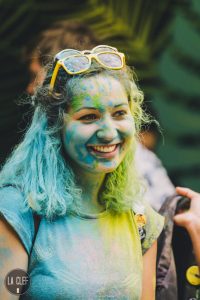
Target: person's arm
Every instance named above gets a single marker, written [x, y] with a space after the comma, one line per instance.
[149, 273]
[12, 256]
[190, 219]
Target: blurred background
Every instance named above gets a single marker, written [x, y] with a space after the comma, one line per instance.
[162, 42]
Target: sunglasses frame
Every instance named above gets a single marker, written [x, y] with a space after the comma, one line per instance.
[89, 55]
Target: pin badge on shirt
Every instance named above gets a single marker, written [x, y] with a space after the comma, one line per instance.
[141, 222]
[193, 275]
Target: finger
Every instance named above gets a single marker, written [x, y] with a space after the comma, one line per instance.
[184, 219]
[187, 192]
[179, 219]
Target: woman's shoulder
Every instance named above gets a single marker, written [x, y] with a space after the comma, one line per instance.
[11, 195]
[12, 199]
[14, 210]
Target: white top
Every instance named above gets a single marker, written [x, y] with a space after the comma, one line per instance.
[158, 185]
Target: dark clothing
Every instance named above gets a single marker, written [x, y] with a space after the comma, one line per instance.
[175, 255]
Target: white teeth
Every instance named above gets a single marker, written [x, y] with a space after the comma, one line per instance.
[104, 148]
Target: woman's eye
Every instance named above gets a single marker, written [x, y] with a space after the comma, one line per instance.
[89, 118]
[120, 113]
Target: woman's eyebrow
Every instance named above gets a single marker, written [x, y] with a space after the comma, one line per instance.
[87, 107]
[94, 108]
[121, 104]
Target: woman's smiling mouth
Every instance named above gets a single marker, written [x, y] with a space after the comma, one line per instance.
[107, 151]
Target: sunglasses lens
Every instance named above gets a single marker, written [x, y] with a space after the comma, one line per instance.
[76, 64]
[111, 60]
[103, 49]
[66, 53]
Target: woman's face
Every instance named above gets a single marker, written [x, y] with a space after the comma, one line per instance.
[98, 127]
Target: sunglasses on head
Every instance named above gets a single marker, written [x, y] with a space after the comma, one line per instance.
[77, 62]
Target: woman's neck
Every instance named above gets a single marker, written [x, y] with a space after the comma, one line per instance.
[90, 184]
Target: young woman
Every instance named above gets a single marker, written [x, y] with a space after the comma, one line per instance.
[96, 238]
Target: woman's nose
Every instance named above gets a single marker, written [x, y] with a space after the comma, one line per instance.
[108, 131]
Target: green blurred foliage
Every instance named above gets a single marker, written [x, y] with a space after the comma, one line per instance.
[177, 100]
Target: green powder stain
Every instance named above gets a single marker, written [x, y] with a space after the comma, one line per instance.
[97, 101]
[77, 101]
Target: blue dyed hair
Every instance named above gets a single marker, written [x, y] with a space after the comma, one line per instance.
[37, 166]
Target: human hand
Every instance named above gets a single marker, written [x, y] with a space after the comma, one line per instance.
[189, 219]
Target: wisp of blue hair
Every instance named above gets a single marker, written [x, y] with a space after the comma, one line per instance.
[38, 168]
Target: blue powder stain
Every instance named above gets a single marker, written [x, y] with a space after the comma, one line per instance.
[88, 98]
[89, 159]
[91, 86]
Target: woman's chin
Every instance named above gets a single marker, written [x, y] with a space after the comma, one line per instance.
[103, 168]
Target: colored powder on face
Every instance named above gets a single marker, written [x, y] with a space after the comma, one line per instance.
[97, 101]
[78, 92]
[114, 130]
[77, 101]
